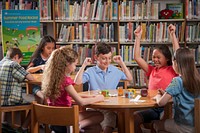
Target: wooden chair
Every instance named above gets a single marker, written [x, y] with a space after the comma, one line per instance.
[78, 88]
[13, 109]
[197, 115]
[62, 116]
[22, 108]
[148, 127]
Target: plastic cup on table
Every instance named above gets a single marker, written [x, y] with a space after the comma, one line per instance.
[144, 92]
[120, 91]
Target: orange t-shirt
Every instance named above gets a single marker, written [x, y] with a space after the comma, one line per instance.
[160, 78]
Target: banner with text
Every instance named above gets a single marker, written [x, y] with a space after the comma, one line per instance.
[21, 28]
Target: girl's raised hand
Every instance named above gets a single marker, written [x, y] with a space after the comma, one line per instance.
[171, 29]
[87, 61]
[117, 59]
[138, 32]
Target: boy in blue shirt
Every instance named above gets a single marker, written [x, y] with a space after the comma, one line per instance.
[12, 75]
[104, 76]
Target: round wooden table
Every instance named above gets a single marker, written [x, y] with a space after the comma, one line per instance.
[125, 108]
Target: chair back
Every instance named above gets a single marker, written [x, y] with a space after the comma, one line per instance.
[197, 115]
[61, 116]
[23, 108]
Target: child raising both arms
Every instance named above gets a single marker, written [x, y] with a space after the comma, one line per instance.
[57, 87]
[160, 75]
[103, 70]
[103, 76]
[183, 90]
[38, 60]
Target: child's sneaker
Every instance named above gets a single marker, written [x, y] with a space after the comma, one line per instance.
[21, 130]
[6, 128]
[81, 129]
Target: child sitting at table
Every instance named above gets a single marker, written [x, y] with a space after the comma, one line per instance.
[12, 75]
[104, 76]
[160, 74]
[57, 87]
[38, 60]
[183, 90]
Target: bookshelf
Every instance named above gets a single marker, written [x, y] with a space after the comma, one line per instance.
[81, 23]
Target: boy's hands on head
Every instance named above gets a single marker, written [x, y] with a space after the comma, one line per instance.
[138, 32]
[171, 29]
[87, 61]
[117, 59]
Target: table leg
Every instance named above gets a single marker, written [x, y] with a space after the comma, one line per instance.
[129, 121]
[168, 111]
[121, 123]
[29, 88]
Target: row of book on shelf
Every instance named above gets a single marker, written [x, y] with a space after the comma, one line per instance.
[127, 52]
[151, 32]
[43, 5]
[85, 10]
[192, 32]
[92, 32]
[192, 9]
[146, 9]
[18, 5]
[103, 10]
[132, 9]
[86, 32]
[139, 77]
[108, 10]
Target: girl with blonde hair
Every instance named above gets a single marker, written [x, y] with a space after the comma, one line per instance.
[58, 89]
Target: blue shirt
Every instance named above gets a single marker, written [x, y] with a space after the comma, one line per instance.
[183, 102]
[100, 80]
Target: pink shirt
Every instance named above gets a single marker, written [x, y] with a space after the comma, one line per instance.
[160, 78]
[64, 99]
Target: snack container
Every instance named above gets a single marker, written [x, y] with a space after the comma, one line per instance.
[128, 94]
[105, 93]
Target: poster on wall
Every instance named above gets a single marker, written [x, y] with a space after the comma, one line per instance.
[21, 28]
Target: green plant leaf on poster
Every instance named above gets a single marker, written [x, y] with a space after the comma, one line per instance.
[177, 9]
